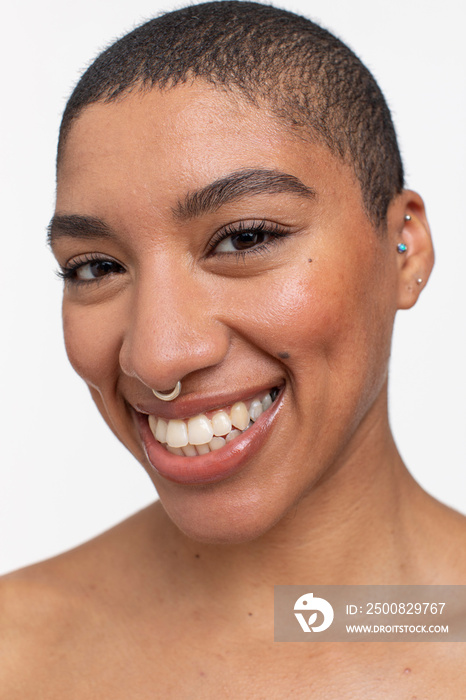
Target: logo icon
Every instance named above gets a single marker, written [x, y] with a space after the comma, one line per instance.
[308, 603]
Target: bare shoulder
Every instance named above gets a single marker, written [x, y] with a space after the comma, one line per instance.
[35, 609]
[444, 532]
[55, 589]
[55, 614]
[433, 539]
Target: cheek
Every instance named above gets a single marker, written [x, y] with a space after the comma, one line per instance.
[92, 341]
[337, 319]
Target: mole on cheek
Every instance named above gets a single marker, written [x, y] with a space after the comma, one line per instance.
[284, 355]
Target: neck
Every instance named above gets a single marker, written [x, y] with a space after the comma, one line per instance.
[351, 528]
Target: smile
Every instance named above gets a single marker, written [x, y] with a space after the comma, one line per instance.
[210, 431]
[211, 446]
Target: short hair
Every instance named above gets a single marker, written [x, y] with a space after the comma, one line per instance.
[306, 76]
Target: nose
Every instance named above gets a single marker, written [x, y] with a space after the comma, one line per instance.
[172, 329]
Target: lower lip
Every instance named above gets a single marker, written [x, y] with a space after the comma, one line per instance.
[213, 466]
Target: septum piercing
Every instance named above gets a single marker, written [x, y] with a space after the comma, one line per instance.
[170, 395]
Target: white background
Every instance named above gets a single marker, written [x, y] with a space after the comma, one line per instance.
[63, 476]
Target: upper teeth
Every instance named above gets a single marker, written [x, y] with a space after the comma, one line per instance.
[200, 434]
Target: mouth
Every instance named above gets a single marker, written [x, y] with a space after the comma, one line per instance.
[209, 446]
[212, 430]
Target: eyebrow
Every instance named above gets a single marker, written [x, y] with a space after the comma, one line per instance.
[236, 185]
[77, 226]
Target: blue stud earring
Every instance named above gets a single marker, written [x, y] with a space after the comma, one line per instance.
[402, 247]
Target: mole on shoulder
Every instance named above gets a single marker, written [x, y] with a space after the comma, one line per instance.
[284, 355]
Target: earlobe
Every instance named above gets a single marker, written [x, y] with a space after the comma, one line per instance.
[413, 246]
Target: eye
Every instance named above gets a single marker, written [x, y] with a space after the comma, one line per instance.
[90, 269]
[97, 268]
[242, 241]
[243, 237]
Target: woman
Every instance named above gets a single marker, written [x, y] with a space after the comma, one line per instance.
[235, 240]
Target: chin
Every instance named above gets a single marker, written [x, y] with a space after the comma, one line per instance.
[205, 517]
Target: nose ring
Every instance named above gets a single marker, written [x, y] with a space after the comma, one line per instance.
[170, 395]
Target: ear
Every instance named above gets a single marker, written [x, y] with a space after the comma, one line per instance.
[407, 223]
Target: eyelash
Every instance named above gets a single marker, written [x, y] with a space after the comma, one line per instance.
[68, 272]
[273, 230]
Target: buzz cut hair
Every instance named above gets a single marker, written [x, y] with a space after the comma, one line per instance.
[308, 79]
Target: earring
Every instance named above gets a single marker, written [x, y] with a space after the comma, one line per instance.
[402, 247]
[407, 217]
[419, 280]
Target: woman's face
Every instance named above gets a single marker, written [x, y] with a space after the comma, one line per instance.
[271, 281]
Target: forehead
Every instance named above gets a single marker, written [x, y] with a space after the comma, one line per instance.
[156, 144]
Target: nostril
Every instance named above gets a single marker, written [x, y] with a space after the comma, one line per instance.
[159, 357]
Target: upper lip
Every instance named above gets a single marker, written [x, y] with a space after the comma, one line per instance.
[192, 404]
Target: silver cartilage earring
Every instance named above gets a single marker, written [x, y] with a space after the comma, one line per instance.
[170, 395]
[407, 217]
